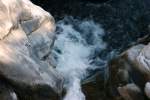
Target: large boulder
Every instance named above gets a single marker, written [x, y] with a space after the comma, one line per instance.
[26, 37]
[132, 66]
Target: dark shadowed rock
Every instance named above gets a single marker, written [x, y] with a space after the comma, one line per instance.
[93, 87]
[6, 92]
[131, 92]
[135, 67]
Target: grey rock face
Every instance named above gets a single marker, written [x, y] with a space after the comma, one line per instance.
[134, 61]
[26, 37]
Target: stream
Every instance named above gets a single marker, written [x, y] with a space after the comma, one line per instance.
[75, 53]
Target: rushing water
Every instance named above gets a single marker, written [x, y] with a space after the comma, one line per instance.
[75, 53]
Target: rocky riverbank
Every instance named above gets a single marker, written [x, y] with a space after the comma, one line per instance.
[129, 73]
[28, 33]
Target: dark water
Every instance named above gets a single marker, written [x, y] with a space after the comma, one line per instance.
[122, 22]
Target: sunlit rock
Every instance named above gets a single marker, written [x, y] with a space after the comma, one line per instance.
[26, 37]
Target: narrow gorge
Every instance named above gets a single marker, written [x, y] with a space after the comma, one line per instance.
[74, 50]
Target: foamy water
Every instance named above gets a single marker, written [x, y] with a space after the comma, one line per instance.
[75, 46]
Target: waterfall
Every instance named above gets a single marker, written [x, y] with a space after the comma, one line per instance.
[75, 51]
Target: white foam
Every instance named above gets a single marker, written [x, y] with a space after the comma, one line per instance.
[72, 49]
[74, 91]
[13, 95]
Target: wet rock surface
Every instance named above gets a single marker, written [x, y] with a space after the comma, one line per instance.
[95, 89]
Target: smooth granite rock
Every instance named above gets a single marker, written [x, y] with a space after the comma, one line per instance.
[26, 37]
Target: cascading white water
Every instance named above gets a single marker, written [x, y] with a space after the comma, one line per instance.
[75, 44]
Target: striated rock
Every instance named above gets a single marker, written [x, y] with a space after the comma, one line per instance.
[26, 37]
